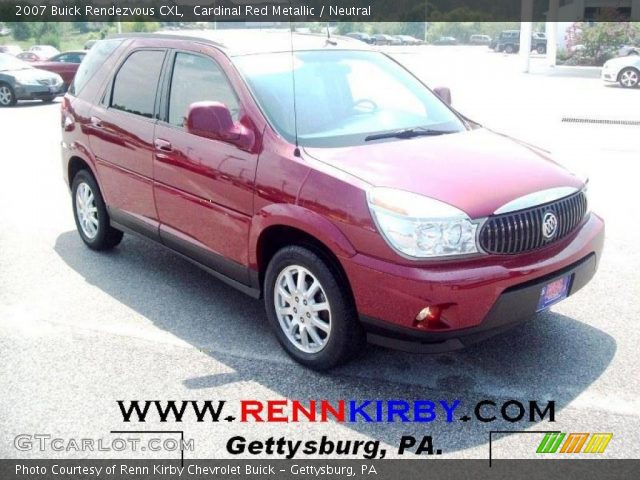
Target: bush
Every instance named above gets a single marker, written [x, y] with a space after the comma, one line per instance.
[601, 41]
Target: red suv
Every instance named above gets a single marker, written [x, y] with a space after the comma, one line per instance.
[328, 180]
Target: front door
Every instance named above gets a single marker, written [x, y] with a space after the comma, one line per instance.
[203, 187]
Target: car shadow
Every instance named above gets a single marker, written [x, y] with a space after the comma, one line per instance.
[553, 357]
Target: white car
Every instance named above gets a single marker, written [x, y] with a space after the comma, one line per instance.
[622, 70]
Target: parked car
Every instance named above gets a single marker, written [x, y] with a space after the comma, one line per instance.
[408, 40]
[622, 70]
[625, 50]
[11, 49]
[30, 57]
[355, 214]
[383, 39]
[363, 37]
[20, 81]
[509, 42]
[44, 51]
[64, 64]
[446, 41]
[480, 39]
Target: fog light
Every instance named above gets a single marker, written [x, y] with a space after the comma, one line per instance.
[430, 314]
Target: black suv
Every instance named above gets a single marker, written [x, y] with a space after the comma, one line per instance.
[509, 42]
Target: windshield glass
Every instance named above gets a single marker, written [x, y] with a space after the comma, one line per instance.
[9, 62]
[342, 97]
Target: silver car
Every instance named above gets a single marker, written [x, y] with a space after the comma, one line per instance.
[20, 81]
[622, 70]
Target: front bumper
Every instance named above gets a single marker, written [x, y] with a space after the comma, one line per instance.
[37, 92]
[480, 297]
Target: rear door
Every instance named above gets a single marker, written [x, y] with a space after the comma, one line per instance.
[121, 134]
[203, 187]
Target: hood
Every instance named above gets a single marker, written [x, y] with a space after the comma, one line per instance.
[29, 75]
[628, 61]
[476, 171]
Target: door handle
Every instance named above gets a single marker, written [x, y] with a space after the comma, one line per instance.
[163, 145]
[96, 122]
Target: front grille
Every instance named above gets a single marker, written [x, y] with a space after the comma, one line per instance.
[522, 231]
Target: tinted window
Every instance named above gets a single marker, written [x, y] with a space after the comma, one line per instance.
[195, 79]
[341, 97]
[94, 59]
[134, 88]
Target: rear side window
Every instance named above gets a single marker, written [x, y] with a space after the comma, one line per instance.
[196, 78]
[93, 60]
[134, 88]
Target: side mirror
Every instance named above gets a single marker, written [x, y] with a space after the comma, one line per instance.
[213, 120]
[444, 93]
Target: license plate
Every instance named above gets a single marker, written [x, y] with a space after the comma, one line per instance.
[554, 292]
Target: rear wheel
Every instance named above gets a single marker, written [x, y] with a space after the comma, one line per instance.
[90, 213]
[310, 309]
[7, 95]
[629, 77]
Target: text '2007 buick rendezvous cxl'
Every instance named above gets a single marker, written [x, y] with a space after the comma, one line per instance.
[324, 177]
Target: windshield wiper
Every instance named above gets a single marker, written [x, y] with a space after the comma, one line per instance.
[408, 133]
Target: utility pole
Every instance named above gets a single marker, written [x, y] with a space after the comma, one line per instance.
[526, 30]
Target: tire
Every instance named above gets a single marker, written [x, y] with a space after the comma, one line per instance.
[541, 49]
[341, 337]
[509, 48]
[7, 95]
[90, 214]
[629, 77]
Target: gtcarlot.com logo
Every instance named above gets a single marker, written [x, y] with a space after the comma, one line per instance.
[42, 442]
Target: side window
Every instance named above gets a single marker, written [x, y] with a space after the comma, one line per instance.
[196, 78]
[135, 85]
[93, 61]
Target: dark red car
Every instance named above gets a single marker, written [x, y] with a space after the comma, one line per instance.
[331, 182]
[64, 64]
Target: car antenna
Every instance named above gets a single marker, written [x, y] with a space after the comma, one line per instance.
[296, 152]
[330, 40]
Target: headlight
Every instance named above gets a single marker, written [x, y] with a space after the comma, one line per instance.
[421, 227]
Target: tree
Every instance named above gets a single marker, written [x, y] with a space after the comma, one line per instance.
[22, 30]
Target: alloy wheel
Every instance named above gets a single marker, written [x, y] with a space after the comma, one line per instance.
[86, 210]
[6, 96]
[302, 309]
[629, 78]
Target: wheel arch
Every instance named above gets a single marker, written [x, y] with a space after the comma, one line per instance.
[278, 226]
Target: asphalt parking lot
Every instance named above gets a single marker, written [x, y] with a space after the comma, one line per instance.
[80, 330]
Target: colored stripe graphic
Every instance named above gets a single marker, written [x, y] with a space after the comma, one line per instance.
[598, 442]
[574, 443]
[550, 443]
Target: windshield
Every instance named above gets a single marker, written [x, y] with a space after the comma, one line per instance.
[9, 62]
[342, 97]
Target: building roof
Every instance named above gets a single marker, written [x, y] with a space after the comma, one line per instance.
[245, 42]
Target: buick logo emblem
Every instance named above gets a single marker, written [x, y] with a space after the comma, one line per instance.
[549, 225]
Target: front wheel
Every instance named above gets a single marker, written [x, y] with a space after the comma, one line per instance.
[629, 77]
[310, 309]
[7, 95]
[90, 213]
